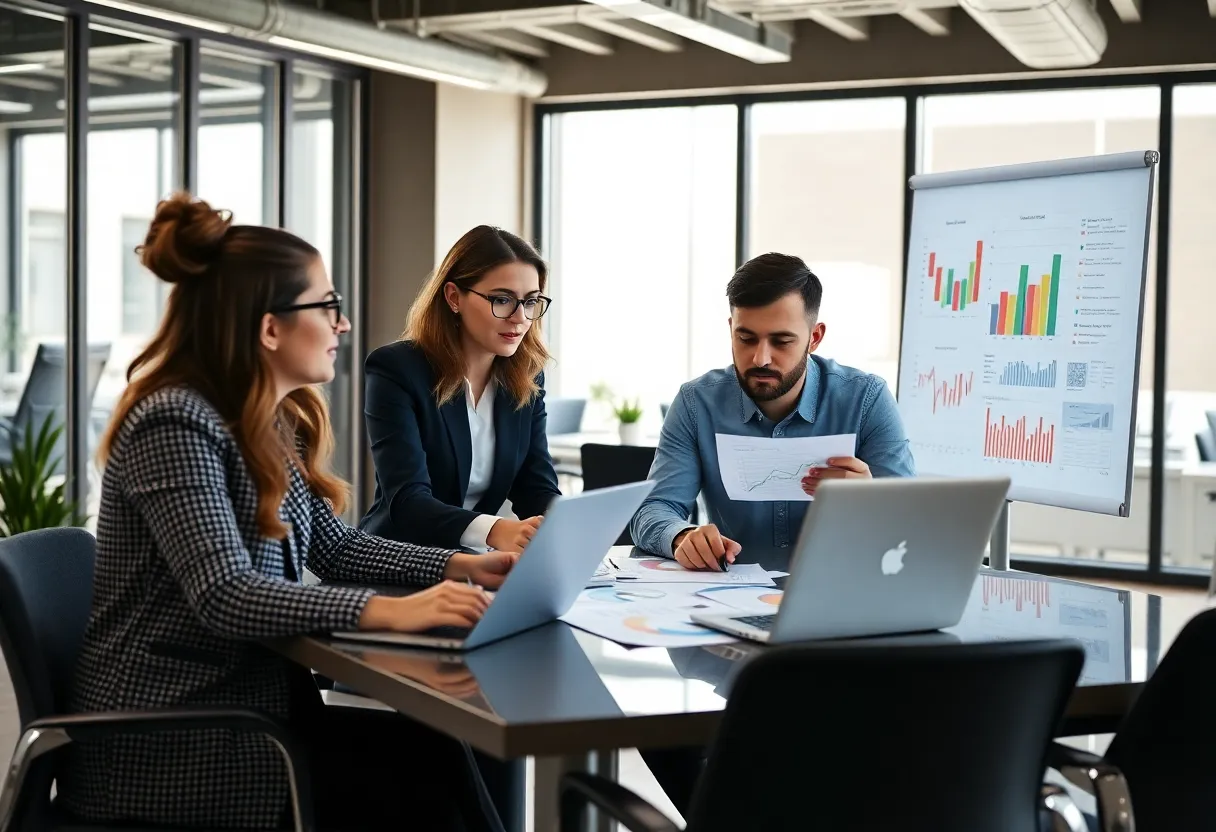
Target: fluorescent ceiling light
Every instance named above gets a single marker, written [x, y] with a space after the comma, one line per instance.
[378, 63]
[14, 107]
[161, 14]
[13, 69]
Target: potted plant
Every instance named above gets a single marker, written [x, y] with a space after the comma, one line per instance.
[28, 500]
[628, 414]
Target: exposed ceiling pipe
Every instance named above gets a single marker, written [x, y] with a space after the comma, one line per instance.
[1044, 34]
[342, 39]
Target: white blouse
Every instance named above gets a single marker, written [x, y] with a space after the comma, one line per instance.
[481, 432]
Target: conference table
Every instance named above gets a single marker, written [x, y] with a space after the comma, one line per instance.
[571, 699]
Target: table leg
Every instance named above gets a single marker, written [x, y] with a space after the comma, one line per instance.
[546, 790]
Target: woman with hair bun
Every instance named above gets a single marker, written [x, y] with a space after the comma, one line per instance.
[216, 495]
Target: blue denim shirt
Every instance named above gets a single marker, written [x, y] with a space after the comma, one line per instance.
[836, 399]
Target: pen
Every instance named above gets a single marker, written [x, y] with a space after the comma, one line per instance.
[722, 564]
[612, 563]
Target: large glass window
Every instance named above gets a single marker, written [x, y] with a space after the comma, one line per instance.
[642, 242]
[827, 185]
[966, 131]
[236, 142]
[1191, 339]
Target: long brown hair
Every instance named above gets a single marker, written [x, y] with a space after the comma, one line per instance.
[225, 278]
[433, 326]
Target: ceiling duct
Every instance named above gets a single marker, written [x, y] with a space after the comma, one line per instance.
[1044, 34]
[761, 43]
[349, 41]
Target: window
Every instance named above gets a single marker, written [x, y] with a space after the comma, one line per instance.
[827, 182]
[966, 131]
[45, 288]
[641, 238]
[142, 294]
[1191, 344]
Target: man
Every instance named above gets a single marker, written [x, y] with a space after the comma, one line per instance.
[777, 388]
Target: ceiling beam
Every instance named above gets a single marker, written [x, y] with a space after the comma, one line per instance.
[627, 28]
[1129, 10]
[573, 35]
[935, 22]
[518, 42]
[850, 28]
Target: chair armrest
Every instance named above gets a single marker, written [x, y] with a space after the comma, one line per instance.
[45, 735]
[1068, 817]
[618, 802]
[1099, 778]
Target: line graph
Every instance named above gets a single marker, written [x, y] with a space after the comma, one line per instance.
[762, 469]
[948, 390]
[787, 474]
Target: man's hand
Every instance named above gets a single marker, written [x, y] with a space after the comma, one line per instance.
[512, 535]
[701, 548]
[488, 570]
[839, 468]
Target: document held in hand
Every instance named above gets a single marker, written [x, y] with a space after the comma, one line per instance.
[760, 469]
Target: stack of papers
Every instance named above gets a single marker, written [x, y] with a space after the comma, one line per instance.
[649, 603]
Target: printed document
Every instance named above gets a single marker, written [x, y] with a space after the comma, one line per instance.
[760, 469]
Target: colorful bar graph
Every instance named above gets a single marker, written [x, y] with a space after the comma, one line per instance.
[949, 392]
[1032, 311]
[1011, 441]
[1020, 374]
[956, 295]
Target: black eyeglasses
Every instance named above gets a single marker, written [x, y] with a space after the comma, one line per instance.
[504, 306]
[333, 303]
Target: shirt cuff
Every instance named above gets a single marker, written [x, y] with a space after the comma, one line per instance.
[668, 538]
[475, 533]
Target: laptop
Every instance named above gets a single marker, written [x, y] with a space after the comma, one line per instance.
[879, 557]
[562, 556]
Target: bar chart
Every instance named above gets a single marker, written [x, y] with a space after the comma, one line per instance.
[948, 391]
[1088, 416]
[1021, 374]
[1018, 439]
[1032, 309]
[957, 293]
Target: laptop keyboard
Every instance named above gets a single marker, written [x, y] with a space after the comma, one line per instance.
[760, 622]
[455, 633]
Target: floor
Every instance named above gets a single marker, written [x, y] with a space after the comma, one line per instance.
[633, 772]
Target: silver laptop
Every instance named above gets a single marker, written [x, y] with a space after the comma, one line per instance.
[576, 534]
[879, 557]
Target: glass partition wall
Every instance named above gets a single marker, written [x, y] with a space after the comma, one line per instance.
[824, 175]
[100, 118]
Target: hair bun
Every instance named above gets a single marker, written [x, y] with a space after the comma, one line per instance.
[184, 239]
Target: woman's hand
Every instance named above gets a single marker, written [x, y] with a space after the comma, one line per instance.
[512, 535]
[488, 570]
[448, 604]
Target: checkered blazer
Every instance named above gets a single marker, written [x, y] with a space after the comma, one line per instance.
[185, 590]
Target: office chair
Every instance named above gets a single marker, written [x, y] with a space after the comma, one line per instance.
[564, 416]
[1165, 747]
[45, 394]
[1206, 442]
[952, 738]
[46, 585]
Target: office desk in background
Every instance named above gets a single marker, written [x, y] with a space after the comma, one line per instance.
[572, 699]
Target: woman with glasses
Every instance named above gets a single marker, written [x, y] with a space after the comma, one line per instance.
[216, 496]
[456, 409]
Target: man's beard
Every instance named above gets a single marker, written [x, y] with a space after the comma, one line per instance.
[785, 383]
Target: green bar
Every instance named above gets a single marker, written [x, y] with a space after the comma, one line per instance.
[962, 295]
[1021, 308]
[948, 298]
[1055, 295]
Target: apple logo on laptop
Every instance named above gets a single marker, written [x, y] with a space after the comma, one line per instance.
[893, 559]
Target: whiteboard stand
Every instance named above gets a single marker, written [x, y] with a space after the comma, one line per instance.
[998, 546]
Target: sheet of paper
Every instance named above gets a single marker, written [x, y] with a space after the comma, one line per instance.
[646, 615]
[667, 571]
[758, 600]
[759, 469]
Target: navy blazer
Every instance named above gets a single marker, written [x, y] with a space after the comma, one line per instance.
[423, 453]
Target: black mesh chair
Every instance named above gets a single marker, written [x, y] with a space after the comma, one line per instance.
[46, 584]
[1165, 748]
[947, 738]
[607, 465]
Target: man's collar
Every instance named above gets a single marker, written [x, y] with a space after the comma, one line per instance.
[808, 402]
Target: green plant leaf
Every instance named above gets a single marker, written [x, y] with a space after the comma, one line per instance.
[27, 500]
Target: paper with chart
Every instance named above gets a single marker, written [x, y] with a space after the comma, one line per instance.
[1021, 333]
[758, 600]
[760, 469]
[646, 615]
[1014, 608]
[667, 571]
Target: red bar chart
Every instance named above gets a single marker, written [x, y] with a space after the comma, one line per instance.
[1021, 591]
[1016, 439]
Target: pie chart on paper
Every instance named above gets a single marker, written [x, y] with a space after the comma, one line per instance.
[759, 599]
[658, 627]
[661, 565]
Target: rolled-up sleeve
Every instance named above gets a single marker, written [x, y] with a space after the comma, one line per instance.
[676, 474]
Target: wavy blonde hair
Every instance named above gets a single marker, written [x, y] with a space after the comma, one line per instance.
[225, 278]
[433, 326]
